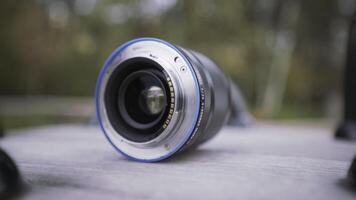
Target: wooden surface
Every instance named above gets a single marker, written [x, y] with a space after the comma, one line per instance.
[263, 162]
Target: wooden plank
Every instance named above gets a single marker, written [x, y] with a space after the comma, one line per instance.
[263, 162]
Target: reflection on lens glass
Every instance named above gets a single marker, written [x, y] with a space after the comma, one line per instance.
[152, 100]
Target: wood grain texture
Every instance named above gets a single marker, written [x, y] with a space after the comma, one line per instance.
[265, 161]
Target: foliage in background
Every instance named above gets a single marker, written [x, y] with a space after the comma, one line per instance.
[286, 55]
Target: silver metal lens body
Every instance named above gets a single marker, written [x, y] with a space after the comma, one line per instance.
[155, 99]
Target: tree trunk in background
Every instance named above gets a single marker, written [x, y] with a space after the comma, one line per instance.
[281, 58]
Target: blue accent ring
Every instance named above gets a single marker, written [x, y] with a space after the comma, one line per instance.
[97, 98]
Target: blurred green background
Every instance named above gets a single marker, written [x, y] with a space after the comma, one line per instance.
[286, 55]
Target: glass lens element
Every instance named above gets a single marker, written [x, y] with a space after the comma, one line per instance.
[152, 100]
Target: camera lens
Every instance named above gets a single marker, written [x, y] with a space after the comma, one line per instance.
[142, 99]
[154, 99]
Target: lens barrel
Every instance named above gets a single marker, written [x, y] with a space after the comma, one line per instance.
[154, 99]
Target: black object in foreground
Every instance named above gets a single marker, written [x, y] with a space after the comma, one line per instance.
[10, 181]
[347, 129]
[154, 99]
[352, 173]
